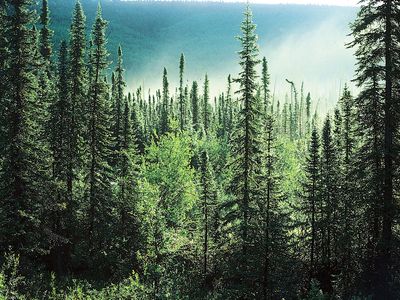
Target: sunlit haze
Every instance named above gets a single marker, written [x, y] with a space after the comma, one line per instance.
[313, 2]
[303, 2]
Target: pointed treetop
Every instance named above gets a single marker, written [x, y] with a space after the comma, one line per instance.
[44, 17]
[99, 9]
[78, 8]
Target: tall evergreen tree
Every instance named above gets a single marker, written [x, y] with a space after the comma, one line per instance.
[308, 114]
[245, 150]
[78, 89]
[4, 55]
[207, 196]
[118, 103]
[271, 221]
[59, 116]
[126, 234]
[206, 109]
[195, 107]
[329, 188]
[265, 81]
[376, 37]
[349, 200]
[301, 111]
[182, 98]
[136, 124]
[25, 168]
[98, 174]
[45, 33]
[165, 108]
[229, 108]
[312, 201]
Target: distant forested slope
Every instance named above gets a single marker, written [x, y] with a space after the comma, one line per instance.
[154, 33]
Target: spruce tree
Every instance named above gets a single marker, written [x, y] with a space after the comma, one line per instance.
[206, 109]
[330, 202]
[60, 214]
[308, 114]
[350, 204]
[118, 103]
[78, 89]
[207, 196]
[245, 150]
[45, 33]
[4, 55]
[376, 38]
[99, 142]
[165, 105]
[126, 230]
[136, 124]
[265, 81]
[284, 117]
[271, 221]
[25, 165]
[229, 109]
[195, 107]
[312, 200]
[182, 98]
[301, 111]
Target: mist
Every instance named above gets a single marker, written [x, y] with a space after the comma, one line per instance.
[302, 43]
[318, 57]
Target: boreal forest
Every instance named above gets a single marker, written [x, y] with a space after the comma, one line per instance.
[112, 190]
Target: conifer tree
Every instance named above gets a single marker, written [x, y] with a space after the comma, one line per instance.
[265, 81]
[126, 230]
[229, 108]
[329, 188]
[206, 110]
[60, 216]
[284, 116]
[376, 38]
[221, 111]
[165, 108]
[182, 98]
[245, 150]
[349, 200]
[98, 174]
[137, 124]
[118, 103]
[337, 129]
[312, 200]
[308, 114]
[195, 107]
[46, 92]
[45, 33]
[301, 111]
[25, 168]
[78, 89]
[271, 221]
[4, 55]
[207, 196]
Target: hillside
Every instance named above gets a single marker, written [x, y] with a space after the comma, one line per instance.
[300, 42]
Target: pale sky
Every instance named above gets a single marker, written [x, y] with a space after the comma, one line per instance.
[317, 2]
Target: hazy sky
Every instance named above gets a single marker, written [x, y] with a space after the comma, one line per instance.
[318, 2]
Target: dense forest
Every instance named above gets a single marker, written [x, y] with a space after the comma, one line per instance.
[111, 193]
